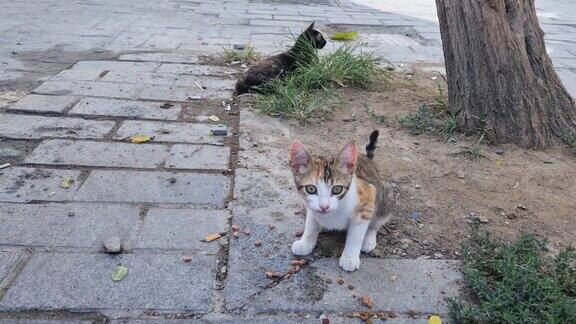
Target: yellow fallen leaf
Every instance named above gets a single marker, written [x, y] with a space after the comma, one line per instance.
[139, 139]
[119, 273]
[498, 162]
[212, 237]
[434, 319]
[214, 118]
[66, 183]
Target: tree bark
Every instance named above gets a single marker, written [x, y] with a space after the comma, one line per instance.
[500, 78]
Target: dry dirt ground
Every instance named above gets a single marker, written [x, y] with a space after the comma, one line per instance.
[509, 191]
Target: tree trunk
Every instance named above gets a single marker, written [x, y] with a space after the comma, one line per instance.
[500, 78]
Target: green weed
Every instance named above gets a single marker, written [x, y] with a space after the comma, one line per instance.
[570, 139]
[515, 284]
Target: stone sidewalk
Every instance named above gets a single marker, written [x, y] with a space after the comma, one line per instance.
[100, 73]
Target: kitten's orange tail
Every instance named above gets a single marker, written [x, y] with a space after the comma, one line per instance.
[372, 144]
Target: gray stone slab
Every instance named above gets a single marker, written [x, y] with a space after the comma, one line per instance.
[155, 187]
[23, 126]
[423, 285]
[115, 66]
[171, 132]
[180, 93]
[161, 57]
[90, 153]
[196, 69]
[80, 74]
[44, 321]
[568, 78]
[199, 157]
[8, 260]
[80, 281]
[182, 229]
[91, 88]
[44, 103]
[27, 184]
[66, 225]
[125, 108]
[209, 83]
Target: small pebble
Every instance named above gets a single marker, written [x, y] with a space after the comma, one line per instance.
[113, 245]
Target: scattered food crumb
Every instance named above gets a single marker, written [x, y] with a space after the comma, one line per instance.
[186, 258]
[340, 281]
[393, 278]
[212, 237]
[271, 226]
[351, 287]
[247, 231]
[139, 139]
[258, 243]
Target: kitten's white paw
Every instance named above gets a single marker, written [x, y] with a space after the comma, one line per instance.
[350, 263]
[302, 247]
[369, 243]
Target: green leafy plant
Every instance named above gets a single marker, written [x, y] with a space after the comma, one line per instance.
[310, 88]
[419, 122]
[515, 283]
[570, 139]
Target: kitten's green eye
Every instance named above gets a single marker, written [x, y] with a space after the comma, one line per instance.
[310, 189]
[336, 190]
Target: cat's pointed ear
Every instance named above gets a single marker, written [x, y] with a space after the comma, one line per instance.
[348, 157]
[311, 27]
[299, 157]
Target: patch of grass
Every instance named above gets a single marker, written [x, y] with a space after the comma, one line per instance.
[515, 283]
[345, 36]
[570, 139]
[440, 99]
[473, 153]
[310, 88]
[419, 122]
[448, 127]
[375, 116]
[246, 55]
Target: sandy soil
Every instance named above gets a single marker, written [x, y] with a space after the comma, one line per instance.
[511, 190]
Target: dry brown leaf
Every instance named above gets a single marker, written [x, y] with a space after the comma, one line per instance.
[139, 139]
[66, 183]
[367, 301]
[212, 237]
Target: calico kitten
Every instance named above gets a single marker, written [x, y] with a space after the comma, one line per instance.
[344, 192]
[277, 65]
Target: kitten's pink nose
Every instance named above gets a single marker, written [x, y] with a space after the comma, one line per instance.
[324, 207]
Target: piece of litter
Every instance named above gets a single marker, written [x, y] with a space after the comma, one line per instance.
[214, 118]
[66, 183]
[186, 258]
[139, 139]
[212, 237]
[4, 166]
[340, 281]
[199, 86]
[393, 278]
[272, 274]
[119, 273]
[166, 105]
[194, 98]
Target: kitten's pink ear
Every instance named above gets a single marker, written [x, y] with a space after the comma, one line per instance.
[348, 157]
[299, 157]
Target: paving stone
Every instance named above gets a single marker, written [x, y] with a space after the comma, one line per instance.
[155, 187]
[26, 184]
[105, 154]
[180, 93]
[115, 66]
[66, 225]
[23, 126]
[161, 57]
[182, 229]
[423, 285]
[8, 260]
[91, 88]
[44, 103]
[199, 157]
[125, 108]
[195, 69]
[80, 74]
[80, 281]
[171, 132]
[210, 83]
[568, 78]
[44, 321]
